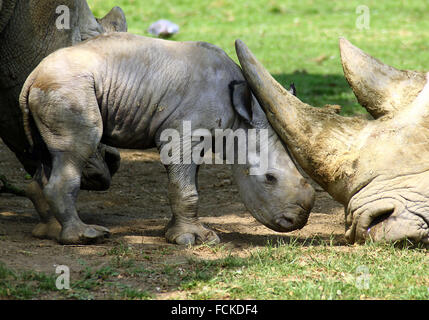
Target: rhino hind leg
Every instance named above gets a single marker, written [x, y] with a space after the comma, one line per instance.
[61, 193]
[184, 227]
[70, 143]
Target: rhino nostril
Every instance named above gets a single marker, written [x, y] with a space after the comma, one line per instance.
[270, 178]
[376, 226]
[306, 205]
[285, 222]
[382, 216]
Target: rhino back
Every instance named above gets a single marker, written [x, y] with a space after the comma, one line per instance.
[145, 85]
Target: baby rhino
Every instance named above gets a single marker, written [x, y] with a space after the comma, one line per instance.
[126, 90]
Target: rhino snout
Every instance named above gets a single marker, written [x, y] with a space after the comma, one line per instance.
[290, 220]
[390, 220]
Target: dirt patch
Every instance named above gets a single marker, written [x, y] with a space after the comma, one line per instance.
[136, 210]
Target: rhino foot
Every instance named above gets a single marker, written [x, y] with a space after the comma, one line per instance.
[80, 233]
[50, 230]
[190, 234]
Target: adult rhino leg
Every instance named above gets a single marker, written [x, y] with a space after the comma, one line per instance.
[98, 171]
[49, 227]
[184, 227]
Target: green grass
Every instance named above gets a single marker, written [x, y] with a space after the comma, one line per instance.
[297, 41]
[25, 284]
[313, 269]
[293, 271]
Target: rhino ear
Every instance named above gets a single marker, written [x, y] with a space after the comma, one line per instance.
[241, 99]
[292, 89]
[246, 105]
[114, 21]
[379, 88]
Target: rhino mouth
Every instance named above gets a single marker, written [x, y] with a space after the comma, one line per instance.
[290, 219]
[286, 221]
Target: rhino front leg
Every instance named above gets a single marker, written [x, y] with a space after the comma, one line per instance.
[184, 227]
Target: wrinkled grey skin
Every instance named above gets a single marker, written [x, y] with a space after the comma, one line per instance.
[28, 33]
[125, 90]
[377, 168]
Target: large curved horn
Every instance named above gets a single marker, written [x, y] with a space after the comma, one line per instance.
[379, 88]
[322, 142]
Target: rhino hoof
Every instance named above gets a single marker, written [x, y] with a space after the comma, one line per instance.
[190, 239]
[185, 239]
[195, 234]
[83, 234]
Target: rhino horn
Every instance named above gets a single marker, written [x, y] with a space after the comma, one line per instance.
[270, 94]
[318, 137]
[379, 88]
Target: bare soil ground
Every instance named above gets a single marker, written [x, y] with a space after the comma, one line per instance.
[136, 209]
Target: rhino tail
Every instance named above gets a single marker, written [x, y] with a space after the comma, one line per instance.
[26, 113]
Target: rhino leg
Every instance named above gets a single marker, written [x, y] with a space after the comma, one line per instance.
[98, 171]
[184, 227]
[70, 142]
[61, 194]
[49, 227]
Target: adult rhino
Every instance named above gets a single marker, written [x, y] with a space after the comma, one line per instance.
[378, 169]
[127, 90]
[29, 31]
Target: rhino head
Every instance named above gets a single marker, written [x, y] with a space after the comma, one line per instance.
[378, 169]
[276, 193]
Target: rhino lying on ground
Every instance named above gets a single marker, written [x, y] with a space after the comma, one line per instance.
[125, 90]
[378, 169]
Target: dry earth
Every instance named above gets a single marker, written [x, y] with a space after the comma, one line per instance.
[136, 210]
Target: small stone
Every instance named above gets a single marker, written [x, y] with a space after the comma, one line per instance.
[163, 28]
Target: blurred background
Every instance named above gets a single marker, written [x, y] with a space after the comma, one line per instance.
[297, 41]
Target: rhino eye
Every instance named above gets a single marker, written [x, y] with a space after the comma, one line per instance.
[270, 179]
